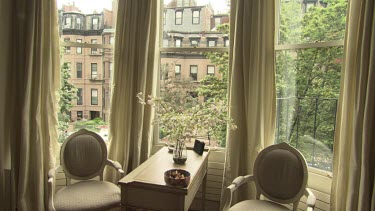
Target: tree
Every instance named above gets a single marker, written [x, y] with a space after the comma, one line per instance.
[308, 80]
[215, 88]
[67, 92]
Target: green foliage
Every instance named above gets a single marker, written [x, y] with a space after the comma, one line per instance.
[308, 80]
[92, 125]
[67, 92]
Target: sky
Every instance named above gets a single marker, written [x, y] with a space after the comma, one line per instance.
[88, 6]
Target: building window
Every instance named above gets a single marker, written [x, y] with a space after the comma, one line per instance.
[79, 96]
[226, 42]
[79, 23]
[210, 70]
[95, 23]
[68, 22]
[110, 72]
[79, 70]
[79, 115]
[79, 49]
[178, 42]
[177, 71]
[196, 16]
[111, 40]
[94, 97]
[217, 21]
[94, 71]
[94, 50]
[178, 20]
[194, 72]
[211, 42]
[67, 48]
[194, 42]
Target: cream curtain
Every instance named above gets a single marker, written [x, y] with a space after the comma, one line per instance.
[135, 71]
[252, 92]
[354, 150]
[5, 17]
[31, 98]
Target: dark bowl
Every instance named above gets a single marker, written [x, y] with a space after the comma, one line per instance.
[177, 177]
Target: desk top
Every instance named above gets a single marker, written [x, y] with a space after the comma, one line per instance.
[151, 172]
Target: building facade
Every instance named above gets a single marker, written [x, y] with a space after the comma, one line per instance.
[90, 67]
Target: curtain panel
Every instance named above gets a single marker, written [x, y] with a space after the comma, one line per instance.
[354, 148]
[252, 89]
[135, 70]
[31, 99]
[5, 36]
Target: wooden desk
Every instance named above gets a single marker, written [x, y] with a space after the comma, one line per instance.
[145, 188]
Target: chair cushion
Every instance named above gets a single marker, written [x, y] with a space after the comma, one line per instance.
[87, 195]
[257, 205]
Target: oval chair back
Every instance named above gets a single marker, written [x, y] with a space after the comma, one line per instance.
[280, 174]
[83, 156]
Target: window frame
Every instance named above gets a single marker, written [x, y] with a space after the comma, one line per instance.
[79, 118]
[195, 18]
[177, 74]
[92, 23]
[92, 97]
[79, 49]
[211, 40]
[191, 73]
[208, 66]
[156, 142]
[79, 70]
[298, 46]
[175, 42]
[94, 76]
[94, 51]
[79, 96]
[180, 18]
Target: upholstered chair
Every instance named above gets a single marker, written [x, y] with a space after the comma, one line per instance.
[280, 175]
[83, 157]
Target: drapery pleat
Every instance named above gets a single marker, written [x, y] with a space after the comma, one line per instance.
[354, 148]
[135, 70]
[252, 92]
[31, 99]
[5, 36]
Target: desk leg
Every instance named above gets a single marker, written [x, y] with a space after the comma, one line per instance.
[203, 204]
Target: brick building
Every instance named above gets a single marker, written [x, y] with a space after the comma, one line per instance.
[90, 67]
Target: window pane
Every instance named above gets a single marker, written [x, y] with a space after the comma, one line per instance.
[94, 97]
[79, 70]
[94, 50]
[89, 82]
[178, 17]
[324, 22]
[79, 96]
[79, 49]
[94, 71]
[210, 70]
[308, 86]
[196, 16]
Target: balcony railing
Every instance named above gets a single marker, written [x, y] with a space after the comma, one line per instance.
[309, 125]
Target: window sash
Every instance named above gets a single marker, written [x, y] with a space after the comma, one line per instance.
[196, 17]
[178, 18]
[94, 70]
[210, 70]
[94, 96]
[79, 70]
[79, 96]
